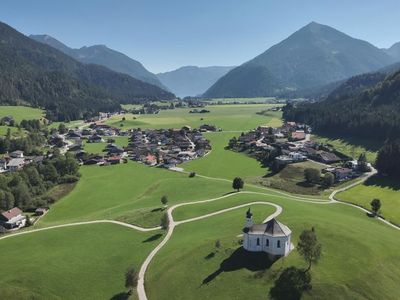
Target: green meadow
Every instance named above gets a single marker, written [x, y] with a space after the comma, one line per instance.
[228, 117]
[243, 100]
[355, 249]
[224, 163]
[96, 148]
[359, 259]
[79, 262]
[116, 192]
[384, 189]
[20, 113]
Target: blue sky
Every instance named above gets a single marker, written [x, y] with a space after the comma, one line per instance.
[166, 34]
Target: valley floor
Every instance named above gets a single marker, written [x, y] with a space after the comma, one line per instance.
[359, 254]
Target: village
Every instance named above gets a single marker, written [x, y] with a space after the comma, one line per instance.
[153, 147]
[292, 143]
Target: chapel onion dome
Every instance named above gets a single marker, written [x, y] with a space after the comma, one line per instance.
[249, 214]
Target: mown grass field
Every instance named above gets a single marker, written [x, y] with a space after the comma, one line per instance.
[227, 117]
[96, 148]
[359, 256]
[224, 163]
[117, 191]
[386, 190]
[243, 100]
[81, 262]
[20, 113]
[290, 179]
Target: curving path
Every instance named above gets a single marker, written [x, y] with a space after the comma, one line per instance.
[81, 223]
[140, 288]
[172, 223]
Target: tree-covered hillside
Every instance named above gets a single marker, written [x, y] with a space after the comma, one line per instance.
[103, 56]
[35, 74]
[364, 106]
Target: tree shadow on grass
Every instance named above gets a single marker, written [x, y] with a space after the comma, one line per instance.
[157, 209]
[152, 238]
[120, 296]
[242, 259]
[383, 182]
[209, 255]
[291, 284]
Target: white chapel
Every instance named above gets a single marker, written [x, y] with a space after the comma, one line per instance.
[272, 237]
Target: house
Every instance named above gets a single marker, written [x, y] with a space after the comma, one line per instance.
[295, 156]
[74, 135]
[7, 120]
[12, 219]
[151, 160]
[17, 154]
[15, 164]
[41, 211]
[272, 237]
[327, 157]
[342, 173]
[298, 135]
[114, 160]
[283, 160]
[95, 138]
[3, 165]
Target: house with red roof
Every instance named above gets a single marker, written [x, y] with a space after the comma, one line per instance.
[12, 219]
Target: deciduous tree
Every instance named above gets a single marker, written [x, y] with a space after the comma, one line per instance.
[309, 247]
[237, 183]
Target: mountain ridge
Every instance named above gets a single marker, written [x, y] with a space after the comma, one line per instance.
[192, 80]
[102, 55]
[312, 56]
[42, 76]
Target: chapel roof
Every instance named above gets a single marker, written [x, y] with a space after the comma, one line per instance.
[271, 227]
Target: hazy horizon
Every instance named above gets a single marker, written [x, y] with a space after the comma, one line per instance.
[165, 36]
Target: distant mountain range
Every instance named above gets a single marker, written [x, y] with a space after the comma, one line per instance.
[192, 80]
[39, 75]
[101, 55]
[394, 51]
[313, 56]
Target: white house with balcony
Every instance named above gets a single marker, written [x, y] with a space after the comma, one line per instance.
[272, 237]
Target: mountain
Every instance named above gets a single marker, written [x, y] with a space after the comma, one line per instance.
[38, 75]
[192, 80]
[313, 56]
[366, 106]
[101, 55]
[394, 51]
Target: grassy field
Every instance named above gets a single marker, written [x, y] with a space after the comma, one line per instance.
[243, 100]
[20, 113]
[351, 147]
[290, 179]
[355, 250]
[224, 163]
[82, 262]
[116, 192]
[385, 189]
[227, 117]
[96, 148]
[4, 129]
[359, 260]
